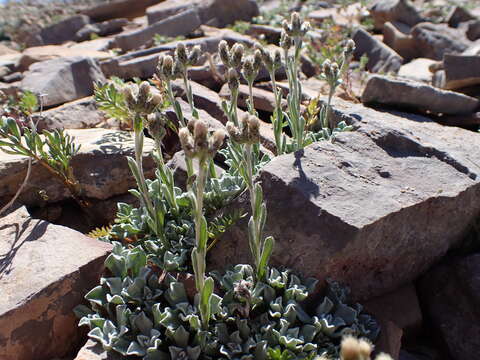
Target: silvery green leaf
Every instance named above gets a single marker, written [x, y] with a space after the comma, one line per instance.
[143, 323]
[348, 314]
[325, 307]
[181, 337]
[176, 293]
[97, 296]
[135, 349]
[115, 299]
[114, 284]
[116, 264]
[82, 311]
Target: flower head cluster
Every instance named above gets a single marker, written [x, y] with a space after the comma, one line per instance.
[197, 142]
[355, 349]
[252, 65]
[248, 132]
[272, 61]
[156, 125]
[296, 28]
[141, 99]
[232, 58]
[170, 68]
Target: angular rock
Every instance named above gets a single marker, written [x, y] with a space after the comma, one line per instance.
[101, 44]
[473, 30]
[401, 42]
[461, 71]
[381, 58]
[416, 96]
[418, 70]
[435, 40]
[79, 114]
[100, 167]
[179, 24]
[394, 10]
[450, 293]
[129, 9]
[390, 339]
[45, 272]
[471, 120]
[62, 80]
[49, 52]
[63, 31]
[320, 207]
[401, 307]
[458, 15]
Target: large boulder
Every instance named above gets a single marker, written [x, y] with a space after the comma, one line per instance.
[180, 24]
[62, 80]
[416, 96]
[394, 10]
[450, 293]
[45, 272]
[100, 167]
[374, 209]
[381, 58]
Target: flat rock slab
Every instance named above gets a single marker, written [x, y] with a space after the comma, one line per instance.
[94, 351]
[45, 270]
[374, 209]
[100, 167]
[417, 96]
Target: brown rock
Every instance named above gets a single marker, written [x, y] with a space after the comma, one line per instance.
[418, 70]
[424, 181]
[458, 15]
[79, 114]
[62, 80]
[416, 96]
[450, 294]
[166, 9]
[390, 339]
[100, 167]
[400, 40]
[94, 351]
[45, 272]
[119, 9]
[394, 10]
[461, 71]
[62, 31]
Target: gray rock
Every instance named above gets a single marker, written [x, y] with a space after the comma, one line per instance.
[471, 120]
[381, 58]
[180, 24]
[100, 167]
[373, 210]
[458, 15]
[461, 71]
[394, 10]
[63, 79]
[221, 13]
[416, 96]
[263, 100]
[64, 30]
[450, 294]
[418, 70]
[79, 114]
[45, 271]
[435, 40]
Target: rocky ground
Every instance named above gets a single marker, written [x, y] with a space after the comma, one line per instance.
[389, 209]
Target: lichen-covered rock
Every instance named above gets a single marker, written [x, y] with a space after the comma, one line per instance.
[45, 272]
